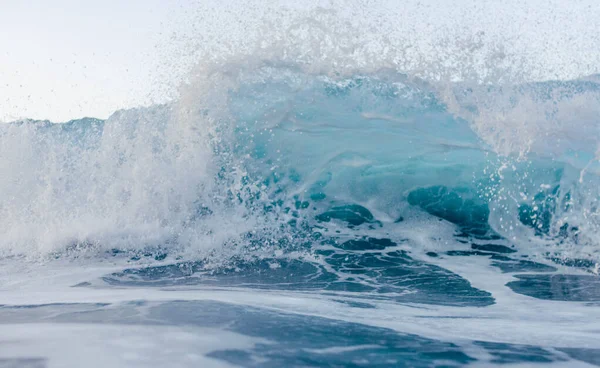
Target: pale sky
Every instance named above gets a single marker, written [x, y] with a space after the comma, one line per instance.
[65, 59]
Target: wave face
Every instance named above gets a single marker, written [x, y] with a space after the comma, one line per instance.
[282, 153]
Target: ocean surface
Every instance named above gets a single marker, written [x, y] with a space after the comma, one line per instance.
[309, 207]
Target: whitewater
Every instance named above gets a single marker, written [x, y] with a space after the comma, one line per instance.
[326, 190]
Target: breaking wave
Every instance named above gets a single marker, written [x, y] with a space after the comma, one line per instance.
[318, 134]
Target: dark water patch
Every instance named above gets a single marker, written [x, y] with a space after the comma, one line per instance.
[264, 274]
[590, 356]
[458, 206]
[391, 275]
[353, 214]
[495, 248]
[417, 281]
[466, 253]
[520, 265]
[367, 244]
[513, 354]
[574, 288]
[173, 274]
[298, 340]
[318, 196]
[466, 238]
[160, 257]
